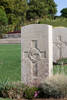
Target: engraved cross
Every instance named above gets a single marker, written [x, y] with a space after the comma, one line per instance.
[60, 44]
[35, 55]
[35, 52]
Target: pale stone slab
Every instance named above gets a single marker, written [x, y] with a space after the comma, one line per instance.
[36, 53]
[59, 43]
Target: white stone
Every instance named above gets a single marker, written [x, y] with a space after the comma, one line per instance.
[59, 43]
[36, 53]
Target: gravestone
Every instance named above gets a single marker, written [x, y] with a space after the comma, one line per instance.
[59, 43]
[36, 53]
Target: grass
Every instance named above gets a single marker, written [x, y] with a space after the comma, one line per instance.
[60, 69]
[10, 62]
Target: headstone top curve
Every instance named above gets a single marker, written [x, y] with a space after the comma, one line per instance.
[36, 25]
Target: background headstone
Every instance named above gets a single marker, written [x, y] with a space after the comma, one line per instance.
[36, 53]
[59, 43]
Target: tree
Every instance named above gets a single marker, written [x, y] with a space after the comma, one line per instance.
[41, 8]
[51, 8]
[37, 9]
[64, 12]
[16, 11]
[3, 17]
[3, 21]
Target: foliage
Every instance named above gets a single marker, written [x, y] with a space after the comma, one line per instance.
[12, 90]
[17, 90]
[51, 8]
[15, 10]
[3, 21]
[19, 11]
[3, 17]
[59, 22]
[37, 9]
[54, 87]
[29, 92]
[3, 84]
[41, 8]
[64, 12]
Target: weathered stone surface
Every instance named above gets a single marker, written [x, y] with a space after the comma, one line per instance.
[59, 43]
[36, 53]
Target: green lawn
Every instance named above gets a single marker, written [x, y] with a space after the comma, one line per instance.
[10, 62]
[60, 69]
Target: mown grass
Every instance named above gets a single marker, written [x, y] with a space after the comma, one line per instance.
[10, 62]
[60, 69]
